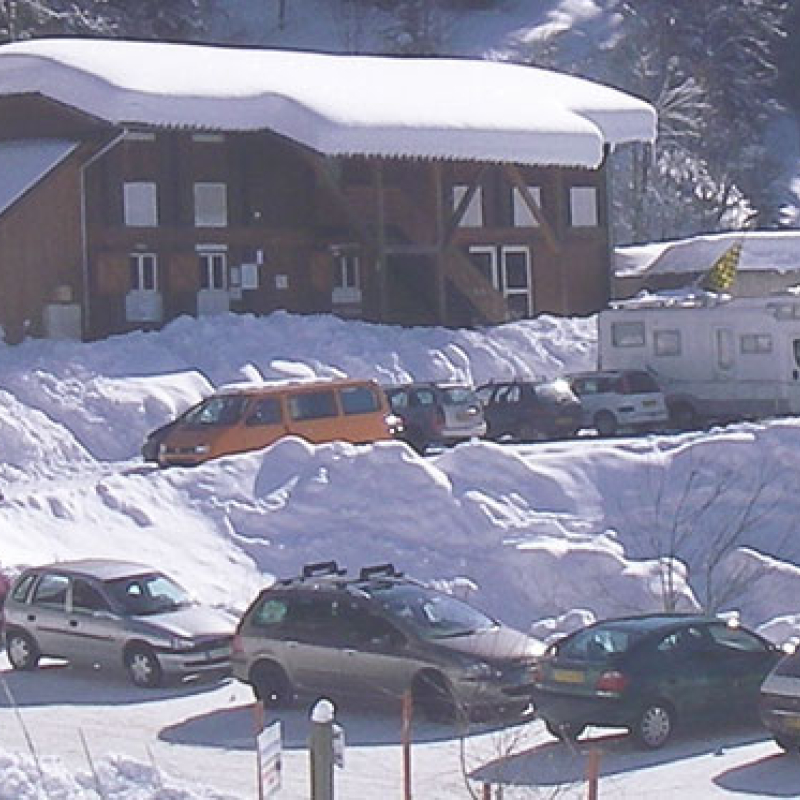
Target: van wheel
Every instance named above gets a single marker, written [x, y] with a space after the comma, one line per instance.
[433, 698]
[605, 423]
[271, 685]
[23, 654]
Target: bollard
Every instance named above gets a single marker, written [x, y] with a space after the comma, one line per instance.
[321, 750]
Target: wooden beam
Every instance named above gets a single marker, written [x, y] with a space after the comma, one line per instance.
[440, 262]
[518, 181]
[380, 260]
[461, 208]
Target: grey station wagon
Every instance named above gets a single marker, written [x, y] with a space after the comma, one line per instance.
[380, 635]
[114, 613]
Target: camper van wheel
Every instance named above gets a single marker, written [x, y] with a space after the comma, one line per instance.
[683, 416]
[605, 423]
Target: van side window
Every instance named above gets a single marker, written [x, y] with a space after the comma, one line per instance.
[312, 405]
[266, 411]
[359, 400]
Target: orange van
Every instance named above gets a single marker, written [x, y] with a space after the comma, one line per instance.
[239, 419]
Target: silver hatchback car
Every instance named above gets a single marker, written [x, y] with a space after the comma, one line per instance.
[118, 614]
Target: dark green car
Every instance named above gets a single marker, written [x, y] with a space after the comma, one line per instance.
[649, 673]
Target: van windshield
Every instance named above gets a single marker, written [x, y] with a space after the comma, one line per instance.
[224, 410]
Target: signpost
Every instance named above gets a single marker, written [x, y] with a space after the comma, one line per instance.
[269, 750]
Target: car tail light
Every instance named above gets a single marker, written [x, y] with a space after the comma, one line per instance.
[237, 646]
[612, 682]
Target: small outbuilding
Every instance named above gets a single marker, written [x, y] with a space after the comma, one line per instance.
[141, 181]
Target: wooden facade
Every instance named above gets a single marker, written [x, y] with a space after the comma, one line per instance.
[138, 227]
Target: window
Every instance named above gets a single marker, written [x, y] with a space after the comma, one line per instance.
[213, 270]
[484, 258]
[266, 412]
[22, 589]
[423, 397]
[724, 339]
[667, 343]
[346, 270]
[523, 216]
[516, 269]
[627, 334]
[583, 207]
[473, 216]
[217, 411]
[210, 205]
[733, 638]
[86, 597]
[313, 405]
[755, 343]
[144, 272]
[638, 383]
[51, 591]
[141, 205]
[270, 614]
[358, 400]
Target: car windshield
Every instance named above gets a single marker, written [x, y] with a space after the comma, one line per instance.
[431, 614]
[597, 644]
[789, 666]
[223, 410]
[142, 595]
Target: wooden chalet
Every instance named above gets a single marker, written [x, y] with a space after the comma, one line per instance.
[144, 181]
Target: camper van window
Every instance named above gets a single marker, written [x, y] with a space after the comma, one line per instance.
[627, 334]
[224, 410]
[755, 343]
[359, 400]
[312, 405]
[667, 343]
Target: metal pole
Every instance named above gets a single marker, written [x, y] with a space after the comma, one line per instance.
[408, 706]
[321, 750]
[593, 773]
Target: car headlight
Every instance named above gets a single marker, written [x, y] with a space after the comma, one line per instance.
[480, 671]
[201, 449]
[176, 643]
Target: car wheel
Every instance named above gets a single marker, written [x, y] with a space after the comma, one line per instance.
[655, 725]
[605, 423]
[23, 654]
[143, 667]
[271, 685]
[564, 731]
[788, 745]
[433, 698]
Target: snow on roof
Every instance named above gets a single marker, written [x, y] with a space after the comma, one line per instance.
[761, 250]
[24, 164]
[336, 104]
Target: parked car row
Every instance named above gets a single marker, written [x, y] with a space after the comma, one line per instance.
[242, 418]
[380, 634]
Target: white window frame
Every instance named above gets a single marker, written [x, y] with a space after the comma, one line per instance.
[583, 207]
[207, 258]
[473, 215]
[515, 291]
[751, 344]
[142, 260]
[211, 205]
[140, 202]
[523, 216]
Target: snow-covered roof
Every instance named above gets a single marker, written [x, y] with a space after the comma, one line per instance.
[761, 250]
[336, 104]
[23, 164]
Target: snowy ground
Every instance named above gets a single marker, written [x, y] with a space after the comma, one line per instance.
[549, 535]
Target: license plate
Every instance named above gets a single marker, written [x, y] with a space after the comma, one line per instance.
[648, 403]
[568, 676]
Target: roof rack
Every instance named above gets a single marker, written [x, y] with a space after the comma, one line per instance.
[320, 569]
[379, 571]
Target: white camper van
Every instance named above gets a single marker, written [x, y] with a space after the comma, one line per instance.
[716, 357]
